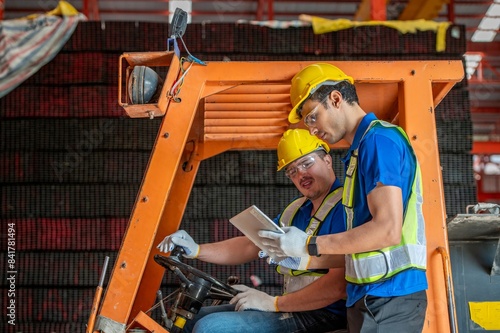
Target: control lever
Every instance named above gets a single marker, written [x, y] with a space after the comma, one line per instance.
[164, 315]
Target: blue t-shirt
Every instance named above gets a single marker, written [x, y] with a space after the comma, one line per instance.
[384, 156]
[333, 223]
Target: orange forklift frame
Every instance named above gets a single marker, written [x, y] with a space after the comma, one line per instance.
[244, 106]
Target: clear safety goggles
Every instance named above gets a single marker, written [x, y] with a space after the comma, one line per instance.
[302, 165]
[312, 116]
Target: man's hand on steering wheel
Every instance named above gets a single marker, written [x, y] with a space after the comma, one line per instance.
[191, 276]
[254, 299]
[183, 239]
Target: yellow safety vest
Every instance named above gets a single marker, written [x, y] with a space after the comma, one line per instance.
[315, 222]
[376, 266]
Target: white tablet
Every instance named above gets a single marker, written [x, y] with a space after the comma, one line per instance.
[251, 220]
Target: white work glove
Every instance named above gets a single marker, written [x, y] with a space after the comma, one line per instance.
[182, 239]
[297, 263]
[270, 259]
[292, 243]
[253, 299]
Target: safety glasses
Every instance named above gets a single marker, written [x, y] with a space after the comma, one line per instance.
[312, 117]
[302, 165]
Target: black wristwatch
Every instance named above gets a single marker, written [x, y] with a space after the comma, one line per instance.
[312, 247]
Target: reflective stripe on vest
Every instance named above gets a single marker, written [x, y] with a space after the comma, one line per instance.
[375, 266]
[293, 283]
[286, 218]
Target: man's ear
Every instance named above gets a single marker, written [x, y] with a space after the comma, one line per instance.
[328, 159]
[335, 98]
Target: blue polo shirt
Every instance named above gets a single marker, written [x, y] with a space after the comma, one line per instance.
[384, 156]
[333, 223]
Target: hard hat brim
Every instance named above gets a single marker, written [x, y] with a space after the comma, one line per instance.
[293, 116]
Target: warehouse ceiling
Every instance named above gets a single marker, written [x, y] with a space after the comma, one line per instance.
[484, 80]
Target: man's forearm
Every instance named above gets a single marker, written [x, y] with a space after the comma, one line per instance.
[232, 251]
[371, 236]
[327, 261]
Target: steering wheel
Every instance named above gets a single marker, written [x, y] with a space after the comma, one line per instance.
[192, 277]
[196, 286]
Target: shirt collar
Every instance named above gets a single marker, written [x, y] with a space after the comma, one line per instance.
[363, 126]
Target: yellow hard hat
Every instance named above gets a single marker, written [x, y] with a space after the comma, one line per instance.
[296, 143]
[305, 82]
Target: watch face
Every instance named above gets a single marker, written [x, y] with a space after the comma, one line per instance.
[312, 247]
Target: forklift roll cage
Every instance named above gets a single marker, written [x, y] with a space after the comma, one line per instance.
[244, 106]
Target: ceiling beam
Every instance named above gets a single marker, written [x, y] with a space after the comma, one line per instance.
[485, 110]
[486, 147]
[487, 48]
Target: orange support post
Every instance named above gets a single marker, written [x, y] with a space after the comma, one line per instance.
[378, 10]
[260, 10]
[451, 11]
[91, 9]
[270, 10]
[371, 10]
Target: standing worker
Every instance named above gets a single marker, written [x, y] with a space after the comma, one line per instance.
[384, 245]
[313, 301]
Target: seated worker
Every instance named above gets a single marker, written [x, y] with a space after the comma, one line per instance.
[312, 301]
